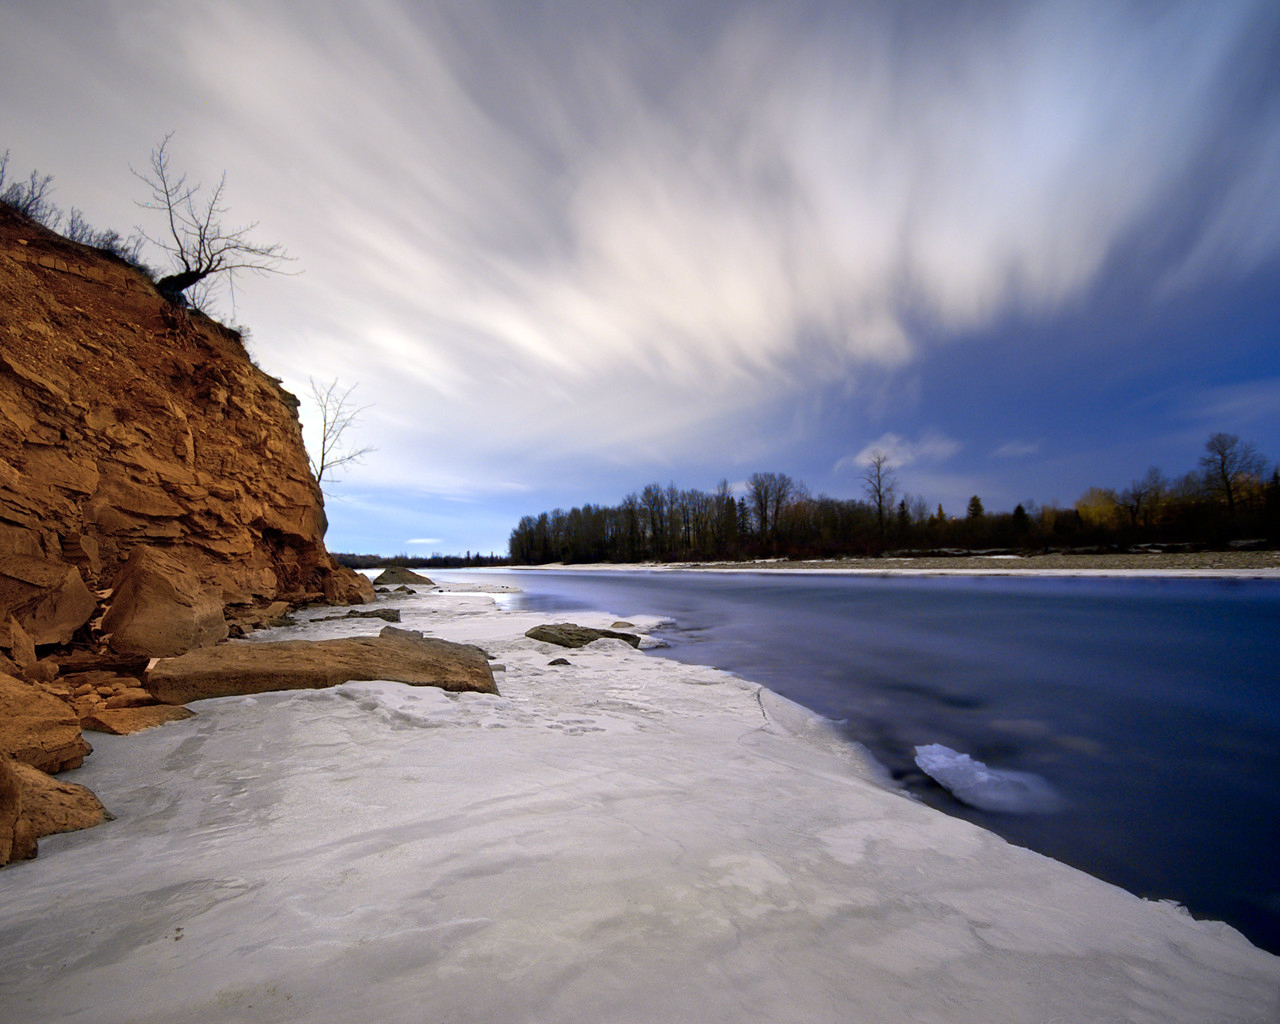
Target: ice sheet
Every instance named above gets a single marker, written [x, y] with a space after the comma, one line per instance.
[622, 839]
[988, 789]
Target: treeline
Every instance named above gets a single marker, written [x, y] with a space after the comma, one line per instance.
[434, 561]
[1228, 496]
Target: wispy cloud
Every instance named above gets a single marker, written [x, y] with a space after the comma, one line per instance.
[932, 447]
[543, 234]
[1016, 450]
[590, 237]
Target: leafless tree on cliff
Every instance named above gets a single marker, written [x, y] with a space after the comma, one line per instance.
[195, 239]
[338, 414]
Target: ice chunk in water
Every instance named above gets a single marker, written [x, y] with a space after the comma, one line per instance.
[987, 789]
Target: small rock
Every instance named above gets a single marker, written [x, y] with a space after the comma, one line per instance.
[559, 661]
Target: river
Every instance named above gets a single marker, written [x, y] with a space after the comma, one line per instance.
[1149, 707]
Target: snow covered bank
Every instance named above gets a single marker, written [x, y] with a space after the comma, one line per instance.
[620, 839]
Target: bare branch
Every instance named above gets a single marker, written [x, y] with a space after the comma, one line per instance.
[197, 242]
[337, 415]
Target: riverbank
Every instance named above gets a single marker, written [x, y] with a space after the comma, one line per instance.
[1248, 564]
[618, 838]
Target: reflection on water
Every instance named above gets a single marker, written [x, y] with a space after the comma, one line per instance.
[1149, 706]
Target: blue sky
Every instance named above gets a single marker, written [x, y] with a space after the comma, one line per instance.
[567, 249]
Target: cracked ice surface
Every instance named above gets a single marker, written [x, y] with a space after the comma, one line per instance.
[622, 839]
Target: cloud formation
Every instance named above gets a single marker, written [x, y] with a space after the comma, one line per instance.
[643, 233]
[534, 217]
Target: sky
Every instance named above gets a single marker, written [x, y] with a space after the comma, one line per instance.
[561, 250]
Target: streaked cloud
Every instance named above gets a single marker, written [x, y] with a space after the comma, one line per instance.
[1016, 450]
[543, 237]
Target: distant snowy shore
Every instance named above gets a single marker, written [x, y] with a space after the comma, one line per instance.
[616, 838]
[1200, 564]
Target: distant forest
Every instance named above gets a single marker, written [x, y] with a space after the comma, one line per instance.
[1229, 498]
[435, 561]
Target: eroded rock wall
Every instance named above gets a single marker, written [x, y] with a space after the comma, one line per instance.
[125, 422]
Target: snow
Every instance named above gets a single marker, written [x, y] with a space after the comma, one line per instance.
[622, 839]
[988, 789]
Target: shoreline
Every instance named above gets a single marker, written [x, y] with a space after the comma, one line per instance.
[619, 838]
[1184, 565]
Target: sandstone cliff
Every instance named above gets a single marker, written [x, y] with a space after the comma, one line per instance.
[155, 496]
[125, 422]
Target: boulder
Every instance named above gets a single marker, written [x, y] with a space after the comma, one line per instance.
[399, 574]
[52, 805]
[346, 586]
[122, 721]
[160, 608]
[48, 599]
[39, 729]
[567, 634]
[245, 667]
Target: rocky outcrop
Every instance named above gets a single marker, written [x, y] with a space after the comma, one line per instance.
[399, 574]
[126, 423]
[39, 729]
[246, 667]
[567, 634]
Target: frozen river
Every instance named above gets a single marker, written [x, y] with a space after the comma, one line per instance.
[617, 838]
[1150, 707]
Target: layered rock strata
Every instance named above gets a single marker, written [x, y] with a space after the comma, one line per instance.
[127, 423]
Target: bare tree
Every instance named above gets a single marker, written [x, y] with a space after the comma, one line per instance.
[195, 239]
[880, 485]
[1142, 497]
[31, 197]
[769, 493]
[1229, 466]
[338, 414]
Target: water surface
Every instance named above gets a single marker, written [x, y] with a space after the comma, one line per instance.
[1151, 707]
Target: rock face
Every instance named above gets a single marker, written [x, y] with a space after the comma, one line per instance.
[399, 574]
[239, 668]
[567, 634]
[125, 422]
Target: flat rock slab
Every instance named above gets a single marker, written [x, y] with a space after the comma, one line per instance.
[245, 667]
[385, 614]
[124, 721]
[567, 634]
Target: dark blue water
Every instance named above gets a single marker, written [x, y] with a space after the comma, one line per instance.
[1152, 707]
